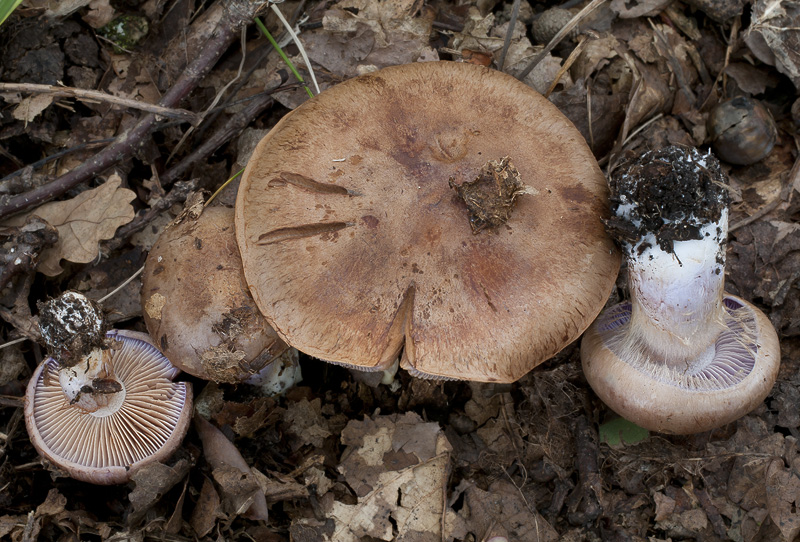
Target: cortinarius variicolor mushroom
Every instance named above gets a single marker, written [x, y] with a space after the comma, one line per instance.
[196, 304]
[104, 413]
[681, 356]
[440, 208]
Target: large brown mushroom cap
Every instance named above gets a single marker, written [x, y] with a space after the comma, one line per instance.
[197, 307]
[147, 426]
[354, 241]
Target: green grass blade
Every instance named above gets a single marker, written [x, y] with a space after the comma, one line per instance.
[7, 7]
[283, 55]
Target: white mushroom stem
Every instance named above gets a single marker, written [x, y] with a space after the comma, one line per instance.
[676, 298]
[90, 385]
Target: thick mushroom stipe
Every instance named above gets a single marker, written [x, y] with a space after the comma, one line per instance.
[108, 445]
[356, 245]
[681, 356]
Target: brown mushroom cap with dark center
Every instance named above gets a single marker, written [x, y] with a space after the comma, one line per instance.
[442, 208]
[143, 422]
[197, 307]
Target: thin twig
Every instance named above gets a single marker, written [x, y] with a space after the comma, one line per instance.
[234, 126]
[507, 43]
[121, 286]
[15, 341]
[97, 96]
[55, 156]
[217, 98]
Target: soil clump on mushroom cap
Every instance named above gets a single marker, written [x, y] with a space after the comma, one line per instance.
[670, 193]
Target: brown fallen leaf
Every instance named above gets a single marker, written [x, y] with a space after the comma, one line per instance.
[55, 503]
[783, 494]
[305, 424]
[153, 481]
[772, 34]
[30, 107]
[207, 510]
[82, 222]
[398, 466]
[239, 486]
[504, 511]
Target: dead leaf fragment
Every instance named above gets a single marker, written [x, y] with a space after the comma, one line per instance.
[503, 511]
[398, 466]
[100, 13]
[783, 495]
[152, 482]
[207, 510]
[29, 108]
[82, 222]
[55, 503]
[304, 421]
[240, 489]
[773, 35]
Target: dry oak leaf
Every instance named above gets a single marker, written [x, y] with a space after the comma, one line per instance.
[82, 222]
[399, 465]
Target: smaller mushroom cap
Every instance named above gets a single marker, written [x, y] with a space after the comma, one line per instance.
[107, 446]
[197, 306]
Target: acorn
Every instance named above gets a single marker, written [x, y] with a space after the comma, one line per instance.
[742, 131]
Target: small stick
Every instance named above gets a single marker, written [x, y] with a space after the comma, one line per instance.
[97, 96]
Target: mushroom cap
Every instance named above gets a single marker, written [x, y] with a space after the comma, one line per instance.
[736, 379]
[354, 241]
[149, 425]
[197, 307]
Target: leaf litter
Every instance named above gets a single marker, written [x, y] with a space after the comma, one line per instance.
[336, 459]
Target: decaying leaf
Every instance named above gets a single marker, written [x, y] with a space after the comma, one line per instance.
[152, 482]
[207, 509]
[504, 511]
[99, 14]
[240, 489]
[398, 466]
[30, 107]
[305, 423]
[773, 35]
[783, 492]
[82, 222]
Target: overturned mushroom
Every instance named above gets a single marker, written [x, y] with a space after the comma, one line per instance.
[197, 307]
[110, 413]
[681, 356]
[440, 208]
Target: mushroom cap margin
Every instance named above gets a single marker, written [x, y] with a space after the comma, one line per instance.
[671, 409]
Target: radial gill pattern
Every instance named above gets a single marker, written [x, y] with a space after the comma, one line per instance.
[138, 429]
[733, 359]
